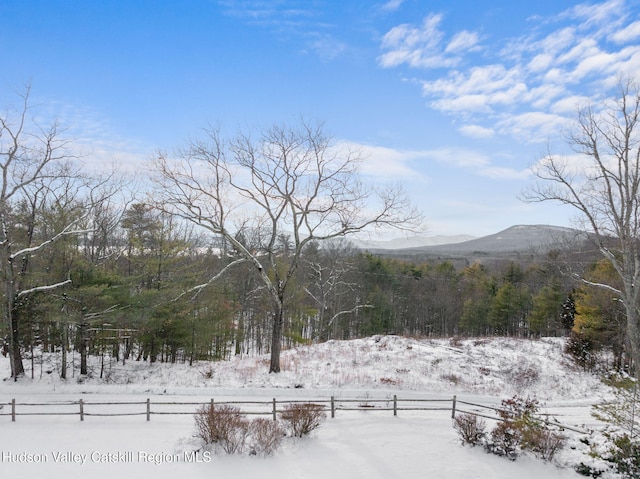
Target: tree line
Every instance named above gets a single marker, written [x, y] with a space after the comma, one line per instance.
[132, 294]
[239, 245]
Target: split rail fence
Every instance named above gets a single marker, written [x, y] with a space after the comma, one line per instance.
[87, 408]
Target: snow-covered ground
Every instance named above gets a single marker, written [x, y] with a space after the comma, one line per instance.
[366, 444]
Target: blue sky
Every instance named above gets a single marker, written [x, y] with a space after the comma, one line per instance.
[454, 99]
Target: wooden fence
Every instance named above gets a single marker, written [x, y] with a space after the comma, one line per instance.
[86, 408]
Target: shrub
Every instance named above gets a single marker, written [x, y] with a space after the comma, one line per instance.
[624, 453]
[622, 448]
[582, 350]
[223, 426]
[505, 440]
[388, 381]
[535, 435]
[226, 428]
[303, 418]
[471, 429]
[266, 436]
[517, 409]
[524, 376]
[543, 442]
[452, 378]
[520, 429]
[587, 470]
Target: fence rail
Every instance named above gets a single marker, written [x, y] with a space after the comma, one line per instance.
[273, 408]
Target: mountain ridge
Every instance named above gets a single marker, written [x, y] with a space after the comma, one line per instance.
[517, 239]
[412, 242]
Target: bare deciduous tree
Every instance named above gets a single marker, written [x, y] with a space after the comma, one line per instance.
[36, 173]
[328, 272]
[288, 187]
[603, 184]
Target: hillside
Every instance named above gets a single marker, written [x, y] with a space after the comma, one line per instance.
[410, 242]
[513, 242]
[493, 367]
[355, 444]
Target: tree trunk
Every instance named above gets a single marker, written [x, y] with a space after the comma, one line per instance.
[63, 371]
[239, 340]
[633, 339]
[193, 344]
[629, 298]
[83, 358]
[276, 338]
[83, 348]
[15, 355]
[154, 353]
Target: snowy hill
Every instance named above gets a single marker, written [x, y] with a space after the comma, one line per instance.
[496, 367]
[355, 444]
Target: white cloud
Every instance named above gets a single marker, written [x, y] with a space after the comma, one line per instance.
[569, 105]
[407, 36]
[606, 13]
[103, 156]
[93, 140]
[574, 166]
[532, 127]
[462, 42]
[485, 80]
[392, 5]
[628, 34]
[416, 58]
[599, 62]
[541, 62]
[301, 21]
[631, 66]
[544, 95]
[502, 173]
[582, 49]
[556, 42]
[480, 90]
[474, 162]
[422, 47]
[264, 13]
[325, 46]
[383, 162]
[529, 88]
[477, 131]
[463, 104]
[556, 76]
[391, 164]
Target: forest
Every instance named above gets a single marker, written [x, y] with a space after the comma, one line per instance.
[131, 296]
[240, 246]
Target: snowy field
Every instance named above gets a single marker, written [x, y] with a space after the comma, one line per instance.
[355, 444]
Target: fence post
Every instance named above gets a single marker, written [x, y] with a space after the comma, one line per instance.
[212, 406]
[453, 408]
[148, 409]
[275, 418]
[81, 409]
[395, 405]
[13, 410]
[333, 407]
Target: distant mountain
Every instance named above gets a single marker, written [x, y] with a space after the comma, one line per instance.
[410, 242]
[514, 241]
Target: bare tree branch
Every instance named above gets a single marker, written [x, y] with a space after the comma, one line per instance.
[604, 189]
[37, 289]
[290, 182]
[349, 311]
[212, 280]
[66, 232]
